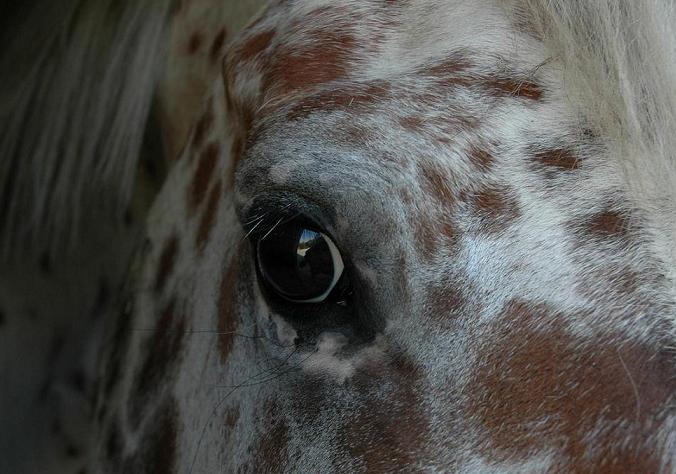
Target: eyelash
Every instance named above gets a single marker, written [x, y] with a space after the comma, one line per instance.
[260, 224]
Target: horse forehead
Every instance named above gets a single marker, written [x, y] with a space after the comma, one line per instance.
[369, 65]
[298, 46]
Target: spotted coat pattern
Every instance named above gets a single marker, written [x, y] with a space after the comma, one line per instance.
[507, 312]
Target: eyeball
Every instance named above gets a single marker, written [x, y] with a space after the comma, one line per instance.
[300, 263]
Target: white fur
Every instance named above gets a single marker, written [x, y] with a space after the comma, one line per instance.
[618, 61]
[327, 360]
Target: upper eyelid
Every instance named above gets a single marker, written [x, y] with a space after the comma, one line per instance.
[264, 211]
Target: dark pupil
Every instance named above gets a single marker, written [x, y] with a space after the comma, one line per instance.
[296, 261]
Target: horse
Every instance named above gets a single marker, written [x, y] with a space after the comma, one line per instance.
[393, 236]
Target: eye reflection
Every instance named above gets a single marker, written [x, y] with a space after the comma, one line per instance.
[301, 264]
[307, 239]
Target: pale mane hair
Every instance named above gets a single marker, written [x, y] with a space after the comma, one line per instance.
[78, 79]
[618, 60]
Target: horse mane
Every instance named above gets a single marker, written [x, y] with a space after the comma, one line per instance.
[78, 81]
[618, 60]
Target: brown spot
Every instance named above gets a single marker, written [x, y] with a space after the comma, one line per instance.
[203, 172]
[194, 43]
[501, 87]
[157, 449]
[450, 72]
[433, 224]
[627, 282]
[166, 263]
[160, 450]
[444, 301]
[619, 286]
[355, 134]
[496, 209]
[227, 309]
[437, 183]
[217, 46]
[415, 124]
[162, 352]
[253, 46]
[431, 231]
[608, 223]
[453, 72]
[454, 64]
[326, 59]
[208, 217]
[270, 451]
[537, 387]
[481, 157]
[231, 418]
[354, 99]
[558, 158]
[202, 127]
[372, 437]
[309, 399]
[443, 127]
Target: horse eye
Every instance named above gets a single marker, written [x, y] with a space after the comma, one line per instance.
[301, 264]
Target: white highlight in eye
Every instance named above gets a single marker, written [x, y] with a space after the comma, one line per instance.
[338, 268]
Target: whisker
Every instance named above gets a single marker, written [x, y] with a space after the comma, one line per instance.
[225, 397]
[250, 231]
[276, 376]
[279, 365]
[206, 425]
[273, 228]
[219, 333]
[255, 218]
